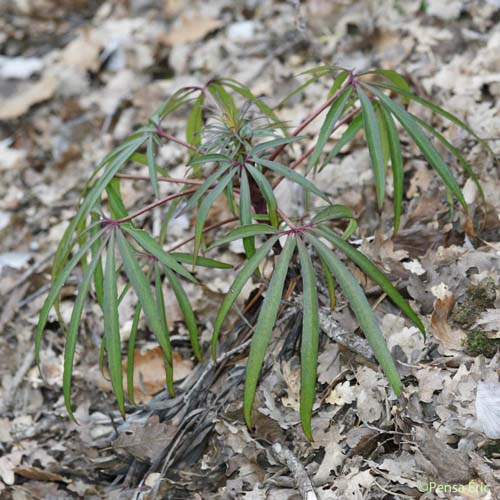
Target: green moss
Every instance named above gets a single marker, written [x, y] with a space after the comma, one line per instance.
[477, 299]
[479, 343]
[492, 450]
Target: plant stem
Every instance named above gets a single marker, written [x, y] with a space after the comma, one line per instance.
[155, 204]
[161, 133]
[206, 229]
[314, 115]
[308, 153]
[291, 225]
[173, 180]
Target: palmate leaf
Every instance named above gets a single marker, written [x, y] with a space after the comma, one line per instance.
[160, 304]
[150, 155]
[332, 212]
[241, 279]
[374, 142]
[396, 164]
[247, 231]
[205, 206]
[245, 92]
[453, 150]
[309, 341]
[195, 124]
[246, 213]
[362, 310]
[112, 325]
[151, 246]
[188, 258]
[334, 113]
[112, 167]
[141, 286]
[187, 310]
[353, 128]
[369, 268]
[56, 287]
[291, 175]
[423, 143]
[74, 324]
[265, 146]
[264, 327]
[131, 352]
[436, 109]
[267, 192]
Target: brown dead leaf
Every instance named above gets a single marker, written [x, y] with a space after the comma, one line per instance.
[39, 474]
[149, 373]
[190, 29]
[451, 466]
[147, 442]
[448, 338]
[16, 105]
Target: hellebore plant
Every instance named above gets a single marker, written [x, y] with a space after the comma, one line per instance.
[235, 141]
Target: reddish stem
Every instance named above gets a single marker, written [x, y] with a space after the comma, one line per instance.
[315, 114]
[155, 204]
[206, 229]
[161, 133]
[173, 180]
[309, 152]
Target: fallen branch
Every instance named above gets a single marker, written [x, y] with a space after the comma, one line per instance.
[302, 481]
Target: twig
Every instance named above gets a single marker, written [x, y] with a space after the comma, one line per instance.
[302, 481]
[7, 401]
[173, 180]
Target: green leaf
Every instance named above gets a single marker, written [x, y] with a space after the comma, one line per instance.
[310, 338]
[369, 268]
[131, 352]
[453, 150]
[57, 284]
[334, 113]
[265, 325]
[372, 134]
[299, 89]
[423, 143]
[160, 303]
[116, 207]
[438, 110]
[152, 166]
[353, 128]
[337, 82]
[292, 176]
[246, 213]
[362, 310]
[205, 206]
[74, 324]
[98, 273]
[187, 311]
[396, 164]
[196, 197]
[247, 231]
[112, 325]
[332, 212]
[114, 165]
[394, 77]
[247, 94]
[243, 276]
[195, 123]
[141, 286]
[151, 246]
[188, 258]
[263, 146]
[267, 191]
[330, 282]
[383, 133]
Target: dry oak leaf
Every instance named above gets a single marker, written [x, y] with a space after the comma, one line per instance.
[190, 29]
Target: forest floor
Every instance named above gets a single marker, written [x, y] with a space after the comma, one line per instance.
[76, 77]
